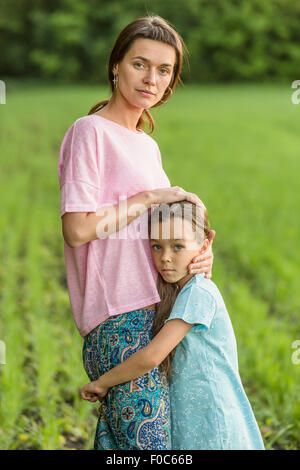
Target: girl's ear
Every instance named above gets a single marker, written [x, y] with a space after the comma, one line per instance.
[205, 245]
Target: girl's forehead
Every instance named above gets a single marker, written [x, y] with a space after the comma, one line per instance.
[172, 229]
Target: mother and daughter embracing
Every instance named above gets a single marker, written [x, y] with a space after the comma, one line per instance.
[159, 347]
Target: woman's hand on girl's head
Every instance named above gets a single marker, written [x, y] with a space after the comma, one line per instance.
[203, 263]
[93, 391]
[173, 194]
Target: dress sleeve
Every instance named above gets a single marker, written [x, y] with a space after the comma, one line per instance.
[78, 169]
[196, 306]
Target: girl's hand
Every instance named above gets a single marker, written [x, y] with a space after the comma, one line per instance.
[174, 194]
[93, 391]
[203, 263]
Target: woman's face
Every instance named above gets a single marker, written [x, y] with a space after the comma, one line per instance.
[147, 65]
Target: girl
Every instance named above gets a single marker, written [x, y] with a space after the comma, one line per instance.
[106, 157]
[194, 343]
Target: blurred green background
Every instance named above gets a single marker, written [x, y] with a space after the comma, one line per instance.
[236, 146]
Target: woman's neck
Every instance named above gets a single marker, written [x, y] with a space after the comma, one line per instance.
[118, 112]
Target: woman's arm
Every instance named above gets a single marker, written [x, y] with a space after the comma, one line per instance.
[82, 227]
[142, 361]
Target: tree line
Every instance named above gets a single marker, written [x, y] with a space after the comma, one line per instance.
[227, 40]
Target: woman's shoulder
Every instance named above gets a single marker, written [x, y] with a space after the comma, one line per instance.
[109, 127]
[83, 124]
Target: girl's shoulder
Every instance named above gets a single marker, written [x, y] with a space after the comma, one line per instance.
[200, 302]
[199, 285]
[196, 302]
[202, 290]
[206, 284]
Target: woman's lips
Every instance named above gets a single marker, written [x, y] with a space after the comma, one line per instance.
[144, 93]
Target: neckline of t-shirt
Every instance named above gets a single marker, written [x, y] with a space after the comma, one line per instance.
[119, 125]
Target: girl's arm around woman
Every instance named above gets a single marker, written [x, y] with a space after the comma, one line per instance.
[139, 363]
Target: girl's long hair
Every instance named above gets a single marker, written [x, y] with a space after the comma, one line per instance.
[148, 27]
[169, 291]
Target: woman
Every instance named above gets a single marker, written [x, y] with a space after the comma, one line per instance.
[110, 175]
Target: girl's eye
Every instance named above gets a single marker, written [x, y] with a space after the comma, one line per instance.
[166, 70]
[138, 63]
[155, 246]
[179, 246]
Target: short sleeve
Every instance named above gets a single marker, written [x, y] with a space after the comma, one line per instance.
[158, 154]
[194, 305]
[78, 169]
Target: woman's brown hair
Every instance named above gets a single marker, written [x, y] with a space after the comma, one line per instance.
[148, 27]
[169, 291]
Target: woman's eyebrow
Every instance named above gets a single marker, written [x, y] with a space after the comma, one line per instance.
[147, 60]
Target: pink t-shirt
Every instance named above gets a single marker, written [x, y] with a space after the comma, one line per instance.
[102, 163]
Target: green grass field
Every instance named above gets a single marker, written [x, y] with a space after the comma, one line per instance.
[237, 147]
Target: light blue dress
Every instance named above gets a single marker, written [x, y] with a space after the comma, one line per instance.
[209, 407]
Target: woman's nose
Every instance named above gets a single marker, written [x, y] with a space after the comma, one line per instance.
[150, 77]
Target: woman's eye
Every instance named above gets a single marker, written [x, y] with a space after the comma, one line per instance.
[179, 246]
[165, 71]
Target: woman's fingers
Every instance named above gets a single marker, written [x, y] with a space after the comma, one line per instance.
[195, 199]
[202, 265]
[201, 258]
[189, 197]
[197, 269]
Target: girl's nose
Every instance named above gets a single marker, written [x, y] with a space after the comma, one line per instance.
[166, 256]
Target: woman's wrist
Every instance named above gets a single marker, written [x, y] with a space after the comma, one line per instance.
[149, 198]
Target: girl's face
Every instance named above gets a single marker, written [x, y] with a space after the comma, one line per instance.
[147, 65]
[174, 248]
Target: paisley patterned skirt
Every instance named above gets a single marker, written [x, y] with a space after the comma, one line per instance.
[134, 415]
